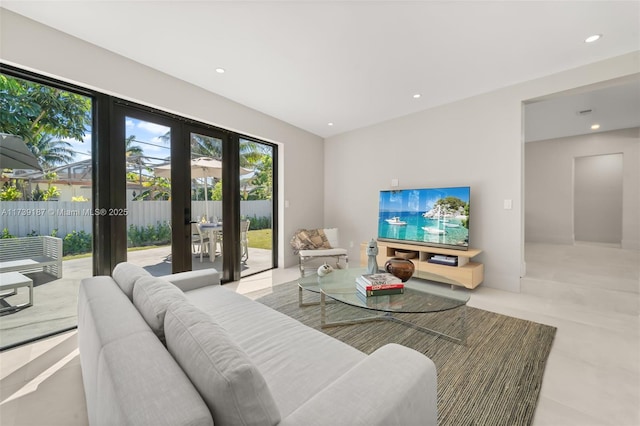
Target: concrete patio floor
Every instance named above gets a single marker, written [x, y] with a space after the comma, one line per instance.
[55, 300]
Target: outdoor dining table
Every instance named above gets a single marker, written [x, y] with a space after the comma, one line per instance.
[212, 230]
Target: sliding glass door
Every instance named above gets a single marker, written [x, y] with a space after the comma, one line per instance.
[46, 212]
[256, 206]
[147, 159]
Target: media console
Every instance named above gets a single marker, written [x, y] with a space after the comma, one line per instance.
[465, 273]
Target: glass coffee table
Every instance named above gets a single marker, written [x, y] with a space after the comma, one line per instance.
[419, 298]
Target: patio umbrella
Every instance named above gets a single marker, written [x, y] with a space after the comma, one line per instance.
[14, 154]
[201, 168]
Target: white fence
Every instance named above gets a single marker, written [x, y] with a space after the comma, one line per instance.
[21, 218]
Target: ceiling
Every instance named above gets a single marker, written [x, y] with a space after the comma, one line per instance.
[615, 106]
[355, 63]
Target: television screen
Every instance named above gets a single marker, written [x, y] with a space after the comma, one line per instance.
[436, 217]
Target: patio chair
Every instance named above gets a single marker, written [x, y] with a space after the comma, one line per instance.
[244, 240]
[312, 244]
[199, 240]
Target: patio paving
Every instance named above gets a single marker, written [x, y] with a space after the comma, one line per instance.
[55, 300]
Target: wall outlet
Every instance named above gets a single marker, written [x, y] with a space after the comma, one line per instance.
[508, 205]
[394, 182]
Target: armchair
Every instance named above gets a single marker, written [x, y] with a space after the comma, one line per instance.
[311, 244]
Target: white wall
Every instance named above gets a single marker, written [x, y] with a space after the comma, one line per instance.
[32, 46]
[549, 184]
[475, 141]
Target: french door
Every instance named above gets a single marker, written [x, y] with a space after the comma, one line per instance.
[177, 185]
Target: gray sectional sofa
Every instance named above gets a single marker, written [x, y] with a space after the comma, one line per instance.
[184, 350]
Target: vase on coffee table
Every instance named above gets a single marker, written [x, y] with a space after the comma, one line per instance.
[401, 268]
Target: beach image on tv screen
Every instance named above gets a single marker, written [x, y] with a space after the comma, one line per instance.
[433, 216]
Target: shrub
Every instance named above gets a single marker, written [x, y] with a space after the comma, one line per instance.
[139, 236]
[263, 222]
[10, 193]
[76, 243]
[6, 234]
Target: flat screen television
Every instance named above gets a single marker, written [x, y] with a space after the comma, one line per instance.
[437, 217]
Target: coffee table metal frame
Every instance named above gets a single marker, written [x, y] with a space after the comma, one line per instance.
[339, 287]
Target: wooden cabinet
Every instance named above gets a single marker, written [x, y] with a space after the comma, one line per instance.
[467, 273]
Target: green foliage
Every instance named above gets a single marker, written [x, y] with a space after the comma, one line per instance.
[263, 222]
[216, 192]
[76, 243]
[157, 188]
[33, 233]
[6, 234]
[30, 109]
[37, 194]
[51, 193]
[51, 152]
[10, 193]
[48, 194]
[262, 181]
[139, 236]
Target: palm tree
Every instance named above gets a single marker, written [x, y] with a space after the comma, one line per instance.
[205, 146]
[51, 152]
[133, 155]
[130, 149]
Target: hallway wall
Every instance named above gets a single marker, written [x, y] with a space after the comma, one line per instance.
[549, 184]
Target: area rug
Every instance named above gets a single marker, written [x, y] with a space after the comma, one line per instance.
[494, 379]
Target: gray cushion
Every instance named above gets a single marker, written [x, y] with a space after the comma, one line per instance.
[152, 296]
[126, 274]
[140, 384]
[231, 386]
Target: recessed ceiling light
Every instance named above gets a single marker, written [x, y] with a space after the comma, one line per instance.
[595, 126]
[329, 124]
[220, 70]
[593, 38]
[416, 96]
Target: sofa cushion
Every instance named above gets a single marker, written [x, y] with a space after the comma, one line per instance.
[126, 274]
[283, 349]
[231, 386]
[152, 296]
[139, 383]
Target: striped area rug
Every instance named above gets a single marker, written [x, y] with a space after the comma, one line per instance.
[494, 379]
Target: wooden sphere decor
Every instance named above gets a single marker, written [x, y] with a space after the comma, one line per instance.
[401, 268]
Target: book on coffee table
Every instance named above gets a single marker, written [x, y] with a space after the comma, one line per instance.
[381, 292]
[379, 279]
[379, 284]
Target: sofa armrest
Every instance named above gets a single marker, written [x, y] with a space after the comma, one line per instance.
[395, 385]
[190, 280]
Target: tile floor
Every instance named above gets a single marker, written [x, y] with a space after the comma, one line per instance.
[592, 377]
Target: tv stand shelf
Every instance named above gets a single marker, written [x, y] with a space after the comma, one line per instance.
[467, 273]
